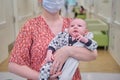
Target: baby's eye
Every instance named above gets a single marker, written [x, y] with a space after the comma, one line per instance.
[80, 25]
[72, 25]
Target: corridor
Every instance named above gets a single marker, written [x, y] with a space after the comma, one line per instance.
[102, 18]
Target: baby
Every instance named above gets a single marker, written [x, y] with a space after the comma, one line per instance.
[76, 35]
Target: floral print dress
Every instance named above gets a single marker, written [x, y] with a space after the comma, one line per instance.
[32, 42]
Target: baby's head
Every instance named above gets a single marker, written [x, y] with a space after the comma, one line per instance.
[77, 26]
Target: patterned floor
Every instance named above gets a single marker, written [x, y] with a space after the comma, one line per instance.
[103, 68]
[85, 76]
[100, 76]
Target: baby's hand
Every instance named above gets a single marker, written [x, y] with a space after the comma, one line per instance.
[82, 39]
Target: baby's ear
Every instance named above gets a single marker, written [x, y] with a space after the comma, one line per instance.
[66, 30]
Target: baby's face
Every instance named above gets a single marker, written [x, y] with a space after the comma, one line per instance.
[77, 27]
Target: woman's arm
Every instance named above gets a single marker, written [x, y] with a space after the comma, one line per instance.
[79, 53]
[23, 71]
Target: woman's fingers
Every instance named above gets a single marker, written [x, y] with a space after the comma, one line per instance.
[44, 62]
[56, 67]
[60, 67]
[55, 76]
[60, 57]
[79, 38]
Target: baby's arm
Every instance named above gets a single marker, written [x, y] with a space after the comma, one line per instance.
[45, 70]
[55, 44]
[91, 44]
[88, 41]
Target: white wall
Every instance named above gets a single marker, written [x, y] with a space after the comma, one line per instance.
[117, 11]
[105, 10]
[114, 46]
[109, 12]
[6, 27]
[13, 14]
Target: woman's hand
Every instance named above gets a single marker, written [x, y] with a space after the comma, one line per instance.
[55, 76]
[49, 56]
[60, 56]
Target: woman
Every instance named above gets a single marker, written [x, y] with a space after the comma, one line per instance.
[30, 47]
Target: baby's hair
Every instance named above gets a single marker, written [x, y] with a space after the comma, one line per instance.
[81, 20]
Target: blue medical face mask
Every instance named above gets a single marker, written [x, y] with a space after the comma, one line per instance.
[53, 6]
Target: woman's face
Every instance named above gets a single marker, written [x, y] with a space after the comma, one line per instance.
[77, 26]
[39, 1]
[52, 6]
